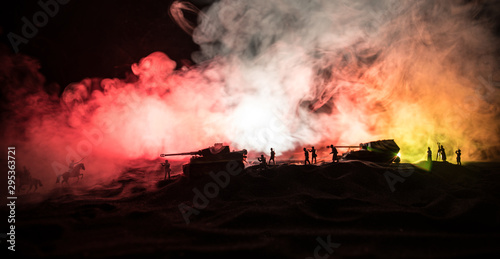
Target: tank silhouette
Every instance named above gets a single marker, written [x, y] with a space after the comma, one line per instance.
[380, 151]
[212, 159]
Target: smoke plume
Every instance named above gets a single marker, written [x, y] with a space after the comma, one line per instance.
[281, 74]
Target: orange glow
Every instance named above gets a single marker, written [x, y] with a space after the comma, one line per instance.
[287, 76]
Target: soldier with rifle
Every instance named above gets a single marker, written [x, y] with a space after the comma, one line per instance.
[272, 156]
[459, 156]
[306, 156]
[166, 167]
[334, 152]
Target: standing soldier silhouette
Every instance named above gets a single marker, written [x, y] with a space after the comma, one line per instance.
[272, 156]
[306, 155]
[334, 152]
[429, 154]
[313, 154]
[166, 167]
[459, 154]
[443, 154]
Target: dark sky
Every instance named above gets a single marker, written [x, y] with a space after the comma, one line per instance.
[97, 38]
[94, 38]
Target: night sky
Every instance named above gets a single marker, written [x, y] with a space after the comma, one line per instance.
[102, 39]
[96, 38]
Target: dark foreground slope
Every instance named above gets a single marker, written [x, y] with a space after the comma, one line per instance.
[288, 211]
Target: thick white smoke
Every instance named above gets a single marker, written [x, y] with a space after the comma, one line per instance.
[354, 71]
[281, 74]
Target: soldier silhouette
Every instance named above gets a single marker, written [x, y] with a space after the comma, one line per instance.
[272, 156]
[72, 165]
[166, 167]
[429, 154]
[262, 161]
[438, 154]
[334, 152]
[313, 154]
[306, 155]
[459, 158]
[443, 154]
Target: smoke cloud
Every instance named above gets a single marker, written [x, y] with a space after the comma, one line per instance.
[281, 74]
[354, 71]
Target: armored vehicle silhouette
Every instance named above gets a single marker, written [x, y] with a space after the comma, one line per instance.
[212, 159]
[380, 151]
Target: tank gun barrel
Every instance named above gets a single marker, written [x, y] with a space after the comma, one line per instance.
[182, 154]
[347, 146]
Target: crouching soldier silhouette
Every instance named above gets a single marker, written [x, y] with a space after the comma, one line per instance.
[166, 167]
[262, 161]
[459, 154]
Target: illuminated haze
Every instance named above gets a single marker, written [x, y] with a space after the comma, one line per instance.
[281, 74]
[353, 71]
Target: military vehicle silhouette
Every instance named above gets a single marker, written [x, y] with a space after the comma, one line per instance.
[212, 159]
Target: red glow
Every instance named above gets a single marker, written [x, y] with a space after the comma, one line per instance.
[320, 78]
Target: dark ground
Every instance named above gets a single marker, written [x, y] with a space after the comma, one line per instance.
[449, 212]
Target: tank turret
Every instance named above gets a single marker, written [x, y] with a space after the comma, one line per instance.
[212, 159]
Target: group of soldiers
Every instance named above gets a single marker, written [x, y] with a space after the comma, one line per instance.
[441, 153]
[264, 163]
[314, 155]
[272, 158]
[262, 159]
